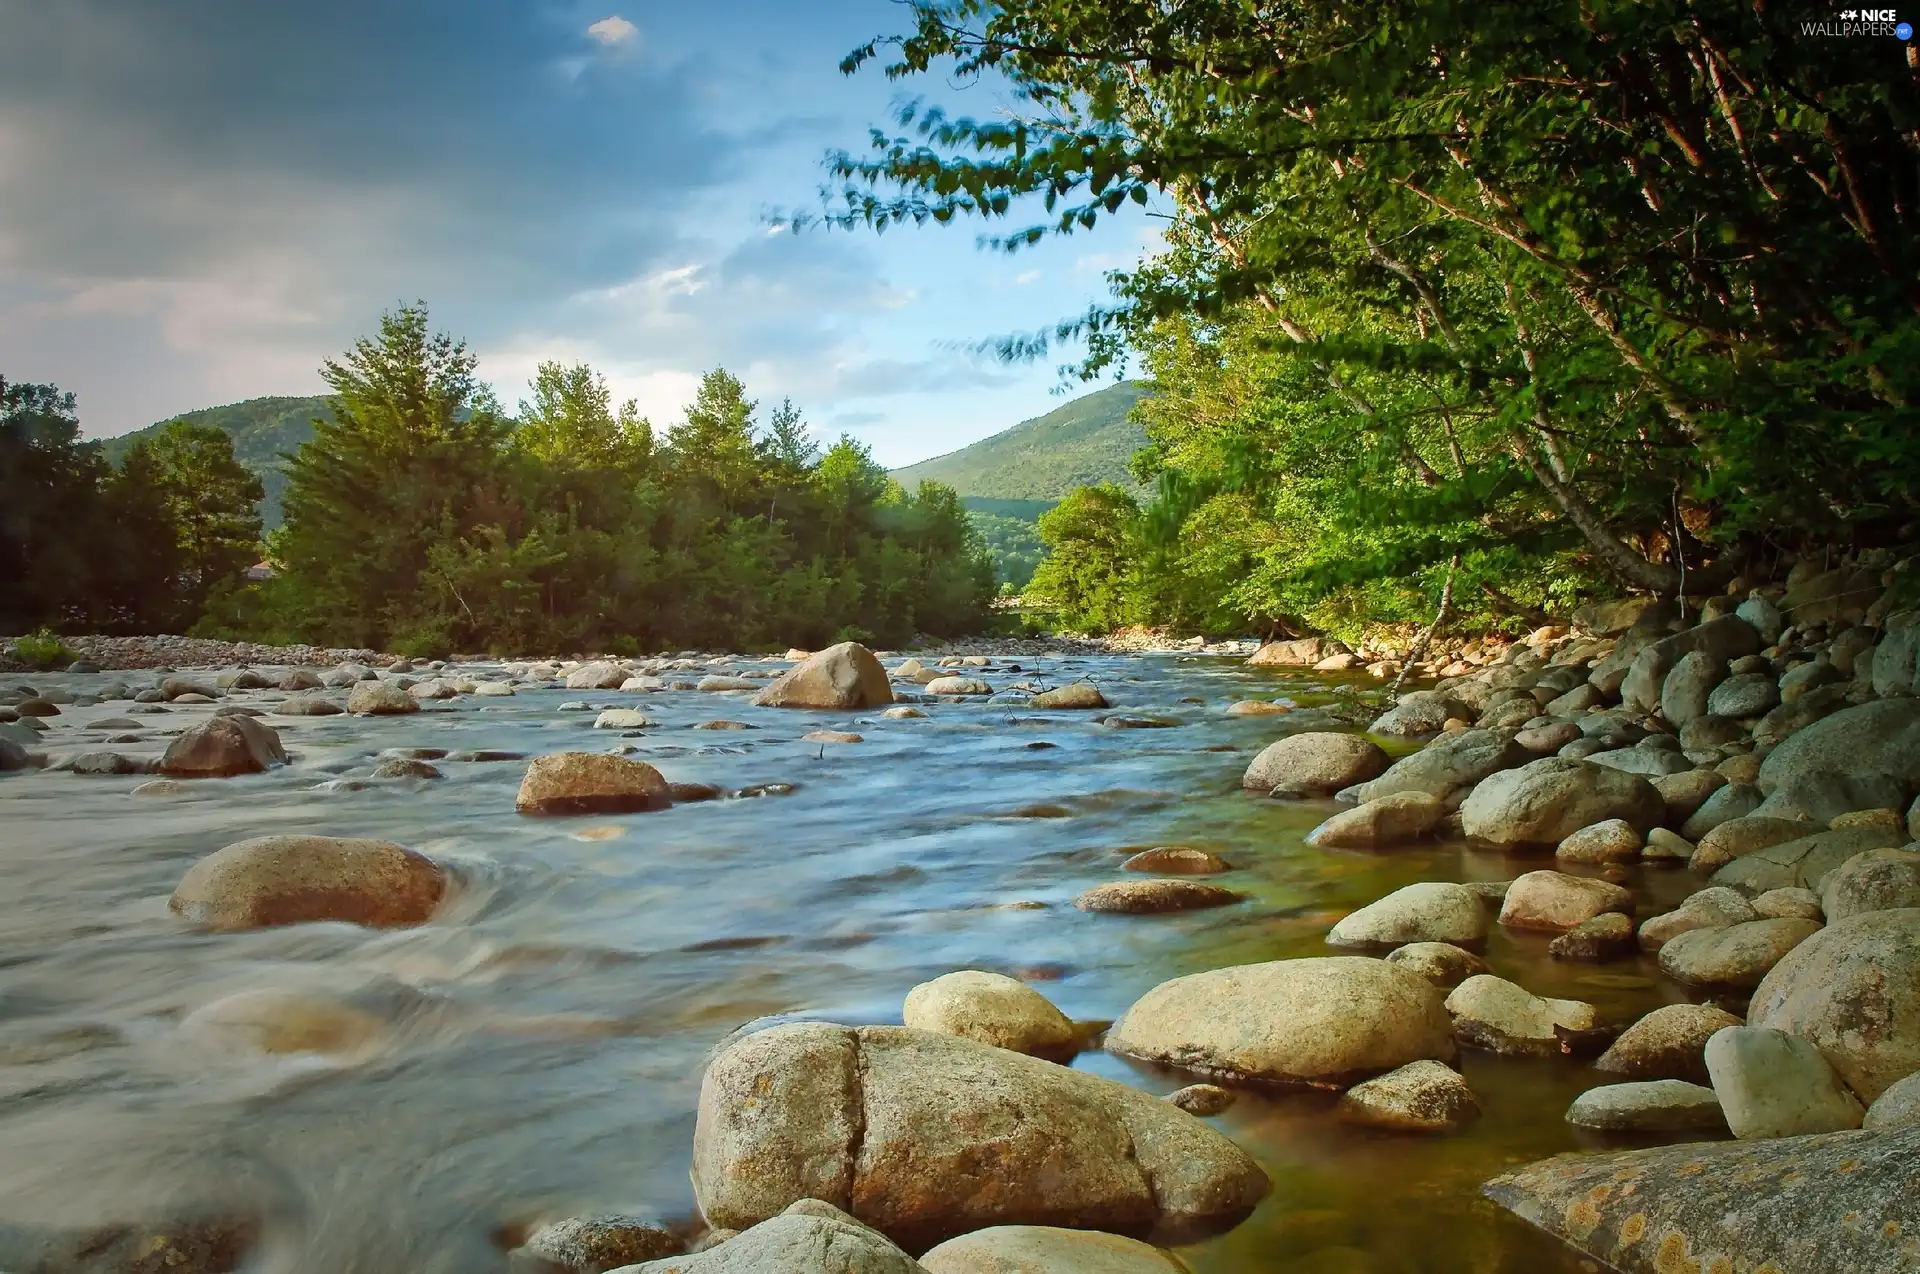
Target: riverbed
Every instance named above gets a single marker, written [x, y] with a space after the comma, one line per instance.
[537, 1048]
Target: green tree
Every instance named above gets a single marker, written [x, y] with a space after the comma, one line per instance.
[570, 421]
[1644, 274]
[1089, 575]
[212, 501]
[414, 454]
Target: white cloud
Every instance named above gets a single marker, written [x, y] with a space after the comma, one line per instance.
[1025, 277]
[613, 31]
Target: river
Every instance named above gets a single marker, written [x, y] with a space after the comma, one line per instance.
[537, 1049]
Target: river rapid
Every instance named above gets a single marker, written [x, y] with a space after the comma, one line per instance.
[537, 1049]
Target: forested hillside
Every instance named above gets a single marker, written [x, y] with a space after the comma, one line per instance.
[263, 430]
[1086, 441]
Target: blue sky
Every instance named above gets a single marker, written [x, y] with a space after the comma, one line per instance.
[201, 199]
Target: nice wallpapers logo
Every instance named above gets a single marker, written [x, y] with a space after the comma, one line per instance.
[1851, 22]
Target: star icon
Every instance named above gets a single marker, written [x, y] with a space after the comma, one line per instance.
[1847, 15]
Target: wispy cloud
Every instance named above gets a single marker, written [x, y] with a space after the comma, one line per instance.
[614, 31]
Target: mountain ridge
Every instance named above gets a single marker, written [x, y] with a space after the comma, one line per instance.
[1083, 442]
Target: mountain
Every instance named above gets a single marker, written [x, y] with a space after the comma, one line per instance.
[263, 429]
[1087, 441]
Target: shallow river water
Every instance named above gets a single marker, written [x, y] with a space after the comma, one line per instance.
[537, 1048]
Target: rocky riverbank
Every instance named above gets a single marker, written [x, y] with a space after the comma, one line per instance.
[1728, 791]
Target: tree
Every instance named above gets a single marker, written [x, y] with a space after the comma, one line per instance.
[570, 422]
[211, 501]
[413, 455]
[1093, 547]
[1656, 263]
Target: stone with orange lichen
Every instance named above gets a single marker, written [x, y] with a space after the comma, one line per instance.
[1796, 1205]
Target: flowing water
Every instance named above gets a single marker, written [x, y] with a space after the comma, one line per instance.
[537, 1049]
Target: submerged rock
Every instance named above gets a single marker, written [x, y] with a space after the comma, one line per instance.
[593, 1244]
[1152, 897]
[1202, 1099]
[1391, 820]
[1081, 694]
[1325, 1021]
[1804, 1205]
[1494, 1014]
[222, 747]
[1423, 1096]
[925, 1136]
[284, 880]
[591, 783]
[1177, 860]
[1554, 902]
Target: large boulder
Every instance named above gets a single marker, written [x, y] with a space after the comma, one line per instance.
[1081, 694]
[1324, 1021]
[1804, 863]
[1735, 957]
[1314, 763]
[925, 1136]
[1853, 990]
[285, 880]
[1749, 694]
[842, 676]
[1422, 1096]
[1742, 835]
[1772, 1084]
[993, 1009]
[223, 746]
[809, 1237]
[1882, 737]
[1683, 695]
[1839, 596]
[1667, 1043]
[1419, 713]
[600, 675]
[1503, 1017]
[1893, 671]
[1441, 963]
[1302, 652]
[1723, 805]
[591, 783]
[1554, 902]
[1716, 907]
[1427, 912]
[1801, 1205]
[1450, 764]
[1878, 880]
[380, 699]
[1647, 1106]
[1546, 801]
[1821, 796]
[1391, 820]
[1042, 1249]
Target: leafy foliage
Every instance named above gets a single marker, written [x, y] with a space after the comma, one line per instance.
[423, 518]
[263, 430]
[1529, 293]
[41, 649]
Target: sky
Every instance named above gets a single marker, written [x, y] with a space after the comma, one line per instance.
[202, 199]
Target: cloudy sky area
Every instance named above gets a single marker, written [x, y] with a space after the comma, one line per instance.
[200, 200]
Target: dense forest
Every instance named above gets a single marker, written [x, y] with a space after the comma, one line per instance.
[421, 517]
[1534, 299]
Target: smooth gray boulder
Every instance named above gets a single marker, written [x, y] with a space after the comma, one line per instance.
[1391, 820]
[1667, 1043]
[810, 1237]
[1448, 765]
[1683, 696]
[1853, 990]
[1430, 911]
[1421, 712]
[1895, 671]
[1040, 1249]
[1821, 796]
[1827, 1204]
[1735, 957]
[1898, 1106]
[1772, 1084]
[1323, 1021]
[1723, 805]
[1747, 694]
[925, 1136]
[842, 677]
[1313, 764]
[1422, 1096]
[1803, 863]
[1882, 737]
[1878, 880]
[1655, 1105]
[1545, 801]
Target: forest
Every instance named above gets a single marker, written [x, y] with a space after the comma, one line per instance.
[425, 519]
[1537, 300]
